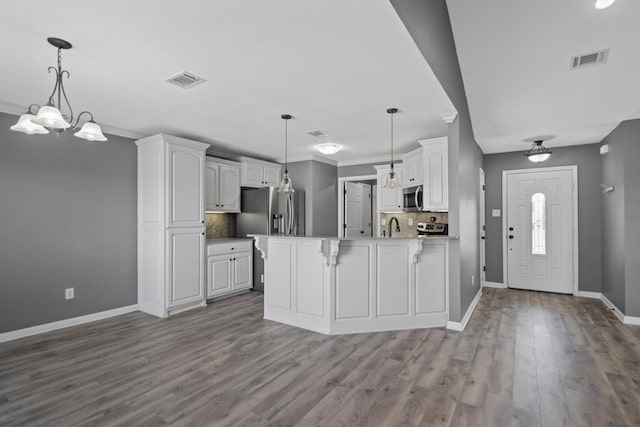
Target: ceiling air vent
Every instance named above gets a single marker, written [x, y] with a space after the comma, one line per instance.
[590, 59]
[316, 133]
[185, 80]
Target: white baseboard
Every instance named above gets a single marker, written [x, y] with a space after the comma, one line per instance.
[588, 294]
[629, 320]
[47, 327]
[459, 326]
[494, 285]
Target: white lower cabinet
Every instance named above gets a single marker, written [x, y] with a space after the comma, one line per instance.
[229, 267]
[185, 258]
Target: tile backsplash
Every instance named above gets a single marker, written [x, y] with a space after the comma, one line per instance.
[220, 225]
[407, 230]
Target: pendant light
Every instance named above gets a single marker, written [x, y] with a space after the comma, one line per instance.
[49, 116]
[392, 178]
[538, 152]
[285, 183]
[603, 4]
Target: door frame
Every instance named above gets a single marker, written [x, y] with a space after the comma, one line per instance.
[483, 228]
[574, 199]
[341, 183]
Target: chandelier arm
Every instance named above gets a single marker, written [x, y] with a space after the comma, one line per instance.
[31, 106]
[64, 94]
[55, 86]
[75, 126]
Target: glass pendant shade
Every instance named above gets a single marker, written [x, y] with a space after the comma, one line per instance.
[285, 184]
[26, 125]
[538, 152]
[91, 132]
[49, 116]
[329, 148]
[392, 181]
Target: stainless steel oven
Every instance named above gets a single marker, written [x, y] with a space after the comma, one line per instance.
[412, 199]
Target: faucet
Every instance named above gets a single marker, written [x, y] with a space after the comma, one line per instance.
[393, 218]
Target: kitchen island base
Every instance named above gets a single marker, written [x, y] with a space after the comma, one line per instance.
[342, 286]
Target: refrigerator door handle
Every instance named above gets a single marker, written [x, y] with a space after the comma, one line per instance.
[290, 207]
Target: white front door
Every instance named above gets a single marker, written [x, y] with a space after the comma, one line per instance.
[539, 226]
[353, 210]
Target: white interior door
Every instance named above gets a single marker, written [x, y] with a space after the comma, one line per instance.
[366, 210]
[374, 207]
[539, 225]
[483, 257]
[353, 210]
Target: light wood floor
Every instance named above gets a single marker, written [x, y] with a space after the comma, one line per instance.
[526, 359]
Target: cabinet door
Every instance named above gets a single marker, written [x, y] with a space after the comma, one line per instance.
[436, 182]
[389, 199]
[253, 174]
[242, 270]
[185, 265]
[229, 188]
[271, 176]
[218, 275]
[185, 187]
[212, 186]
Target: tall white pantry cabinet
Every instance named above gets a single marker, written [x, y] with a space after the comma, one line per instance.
[171, 224]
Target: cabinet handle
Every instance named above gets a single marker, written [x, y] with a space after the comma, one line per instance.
[202, 222]
[231, 248]
[203, 234]
[222, 206]
[217, 205]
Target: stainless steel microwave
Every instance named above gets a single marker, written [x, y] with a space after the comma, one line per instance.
[412, 198]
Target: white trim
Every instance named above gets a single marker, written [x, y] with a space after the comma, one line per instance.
[615, 309]
[312, 157]
[630, 320]
[494, 285]
[74, 321]
[449, 118]
[341, 183]
[587, 294]
[574, 176]
[459, 326]
[367, 160]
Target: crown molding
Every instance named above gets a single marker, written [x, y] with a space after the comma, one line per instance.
[369, 160]
[449, 118]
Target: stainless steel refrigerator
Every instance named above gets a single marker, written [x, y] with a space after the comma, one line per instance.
[265, 211]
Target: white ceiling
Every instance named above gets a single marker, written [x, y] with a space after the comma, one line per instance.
[334, 65]
[515, 57]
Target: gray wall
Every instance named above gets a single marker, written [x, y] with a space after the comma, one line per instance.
[621, 219]
[429, 25]
[587, 158]
[67, 219]
[320, 184]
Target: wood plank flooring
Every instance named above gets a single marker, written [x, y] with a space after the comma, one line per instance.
[525, 359]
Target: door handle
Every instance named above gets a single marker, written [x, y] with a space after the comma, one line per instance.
[482, 237]
[511, 236]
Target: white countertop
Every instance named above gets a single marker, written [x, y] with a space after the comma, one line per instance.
[357, 238]
[227, 239]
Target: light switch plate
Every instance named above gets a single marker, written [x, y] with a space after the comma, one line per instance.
[495, 212]
[68, 293]
[383, 221]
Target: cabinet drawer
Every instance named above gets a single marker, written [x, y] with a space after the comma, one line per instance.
[229, 247]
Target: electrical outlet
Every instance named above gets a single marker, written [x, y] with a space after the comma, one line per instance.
[410, 221]
[68, 293]
[262, 278]
[383, 221]
[473, 280]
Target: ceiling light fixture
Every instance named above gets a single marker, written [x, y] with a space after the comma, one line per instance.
[329, 148]
[392, 180]
[538, 152]
[49, 116]
[603, 4]
[285, 183]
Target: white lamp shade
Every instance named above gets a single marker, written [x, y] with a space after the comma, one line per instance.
[537, 158]
[49, 116]
[329, 148]
[603, 4]
[91, 132]
[26, 125]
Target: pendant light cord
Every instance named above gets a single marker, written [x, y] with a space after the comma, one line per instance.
[392, 142]
[286, 146]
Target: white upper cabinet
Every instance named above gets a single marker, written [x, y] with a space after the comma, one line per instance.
[222, 184]
[413, 168]
[389, 199]
[185, 193]
[436, 174]
[258, 173]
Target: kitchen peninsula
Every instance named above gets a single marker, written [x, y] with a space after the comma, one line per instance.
[338, 286]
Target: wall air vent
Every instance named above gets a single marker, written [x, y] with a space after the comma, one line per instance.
[185, 80]
[316, 133]
[590, 59]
